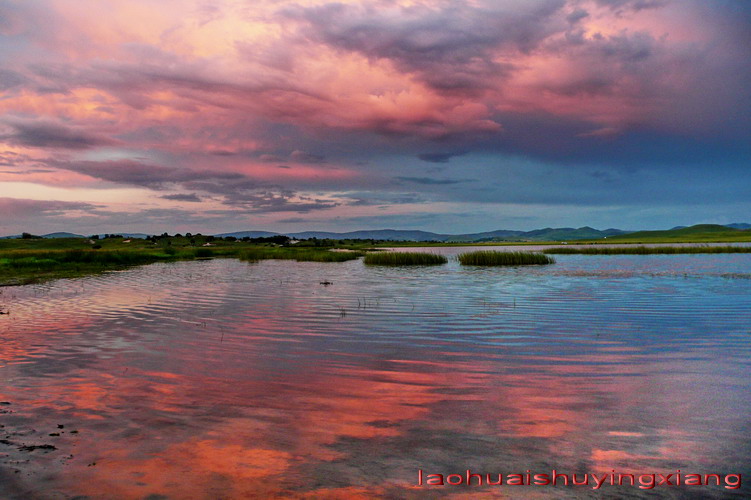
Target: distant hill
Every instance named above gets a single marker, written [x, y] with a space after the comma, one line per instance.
[556, 234]
[548, 234]
[499, 235]
[380, 234]
[62, 235]
[49, 236]
[131, 235]
[249, 234]
[699, 232]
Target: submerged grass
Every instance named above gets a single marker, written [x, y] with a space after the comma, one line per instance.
[642, 250]
[298, 254]
[404, 259]
[495, 258]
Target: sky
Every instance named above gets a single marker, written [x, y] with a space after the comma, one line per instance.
[450, 116]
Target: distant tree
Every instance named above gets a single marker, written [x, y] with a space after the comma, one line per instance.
[210, 238]
[188, 235]
[26, 236]
[94, 237]
[178, 235]
[230, 238]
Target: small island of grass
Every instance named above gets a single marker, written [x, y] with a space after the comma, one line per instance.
[494, 258]
[298, 254]
[404, 259]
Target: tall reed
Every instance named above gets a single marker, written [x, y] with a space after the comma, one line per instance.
[299, 254]
[404, 259]
[495, 258]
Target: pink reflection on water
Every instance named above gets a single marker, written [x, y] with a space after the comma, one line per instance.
[271, 410]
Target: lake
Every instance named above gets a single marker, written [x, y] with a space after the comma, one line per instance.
[225, 379]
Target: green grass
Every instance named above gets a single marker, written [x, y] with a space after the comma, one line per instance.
[203, 253]
[494, 258]
[299, 254]
[700, 233]
[642, 250]
[29, 266]
[404, 259]
[34, 260]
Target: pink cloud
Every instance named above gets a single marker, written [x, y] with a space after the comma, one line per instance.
[215, 100]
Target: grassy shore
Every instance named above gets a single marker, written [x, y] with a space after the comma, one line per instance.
[700, 233]
[29, 266]
[491, 258]
[28, 260]
[642, 250]
[298, 254]
[32, 260]
[404, 259]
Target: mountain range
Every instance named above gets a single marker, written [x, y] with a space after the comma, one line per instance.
[547, 234]
[501, 235]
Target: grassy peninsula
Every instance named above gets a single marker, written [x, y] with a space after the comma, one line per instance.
[32, 259]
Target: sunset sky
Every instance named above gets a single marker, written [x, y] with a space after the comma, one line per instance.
[451, 116]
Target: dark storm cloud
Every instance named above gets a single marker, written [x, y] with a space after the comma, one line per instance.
[450, 48]
[11, 159]
[49, 134]
[141, 174]
[10, 79]
[376, 198]
[303, 157]
[270, 201]
[577, 15]
[634, 5]
[17, 207]
[570, 142]
[439, 157]
[235, 189]
[158, 70]
[192, 197]
[432, 181]
[30, 171]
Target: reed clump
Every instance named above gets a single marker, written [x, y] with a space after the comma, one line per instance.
[298, 254]
[203, 253]
[495, 258]
[404, 259]
[644, 250]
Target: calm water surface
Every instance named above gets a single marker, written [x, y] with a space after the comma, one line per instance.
[222, 379]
